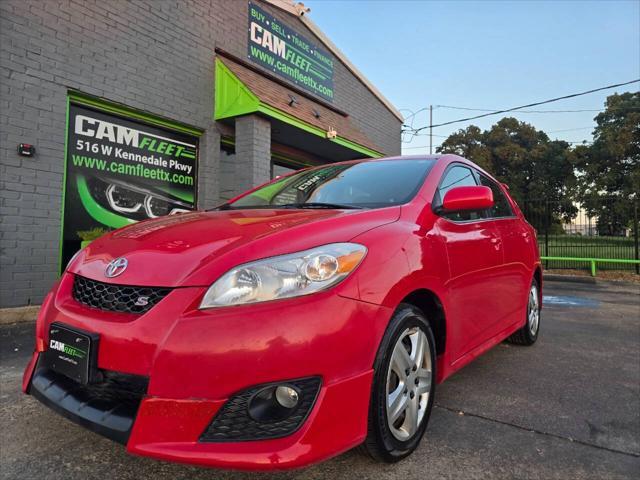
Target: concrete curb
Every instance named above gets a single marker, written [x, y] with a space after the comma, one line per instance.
[18, 314]
[554, 277]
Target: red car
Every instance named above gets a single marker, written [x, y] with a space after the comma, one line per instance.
[305, 317]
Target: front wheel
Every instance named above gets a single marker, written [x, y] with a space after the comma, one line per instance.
[528, 334]
[403, 387]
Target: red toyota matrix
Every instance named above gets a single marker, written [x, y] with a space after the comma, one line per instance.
[301, 319]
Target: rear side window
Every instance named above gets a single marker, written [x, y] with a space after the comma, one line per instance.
[501, 207]
[458, 176]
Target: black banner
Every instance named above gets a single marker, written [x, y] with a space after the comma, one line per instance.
[120, 171]
[288, 54]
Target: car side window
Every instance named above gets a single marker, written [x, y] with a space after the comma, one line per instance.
[458, 176]
[501, 207]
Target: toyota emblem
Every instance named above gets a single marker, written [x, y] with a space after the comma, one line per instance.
[116, 267]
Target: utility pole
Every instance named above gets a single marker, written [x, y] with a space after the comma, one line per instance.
[430, 129]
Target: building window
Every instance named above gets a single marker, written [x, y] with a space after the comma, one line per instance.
[227, 173]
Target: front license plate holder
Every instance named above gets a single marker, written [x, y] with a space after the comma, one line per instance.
[72, 352]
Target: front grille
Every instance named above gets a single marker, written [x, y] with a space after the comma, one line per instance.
[116, 298]
[234, 424]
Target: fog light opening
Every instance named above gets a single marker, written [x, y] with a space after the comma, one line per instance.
[274, 403]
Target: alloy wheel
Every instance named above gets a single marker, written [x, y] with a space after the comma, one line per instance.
[409, 380]
[533, 314]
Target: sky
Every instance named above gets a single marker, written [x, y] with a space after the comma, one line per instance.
[488, 55]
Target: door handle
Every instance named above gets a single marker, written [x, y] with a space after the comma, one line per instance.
[496, 242]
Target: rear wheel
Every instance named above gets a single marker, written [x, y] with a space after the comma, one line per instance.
[528, 334]
[403, 387]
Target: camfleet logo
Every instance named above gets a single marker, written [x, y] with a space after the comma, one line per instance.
[100, 129]
[69, 350]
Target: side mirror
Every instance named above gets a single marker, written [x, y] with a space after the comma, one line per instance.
[467, 198]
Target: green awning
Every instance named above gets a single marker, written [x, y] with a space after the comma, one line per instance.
[234, 98]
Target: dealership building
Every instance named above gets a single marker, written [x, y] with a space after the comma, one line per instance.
[115, 112]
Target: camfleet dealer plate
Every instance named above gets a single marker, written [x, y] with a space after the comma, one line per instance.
[71, 352]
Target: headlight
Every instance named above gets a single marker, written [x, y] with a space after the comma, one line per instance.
[285, 276]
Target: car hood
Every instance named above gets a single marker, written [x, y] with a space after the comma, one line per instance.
[194, 249]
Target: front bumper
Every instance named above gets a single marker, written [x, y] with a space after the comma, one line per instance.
[108, 408]
[195, 361]
[169, 429]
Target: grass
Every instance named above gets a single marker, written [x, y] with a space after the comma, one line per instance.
[588, 247]
[614, 275]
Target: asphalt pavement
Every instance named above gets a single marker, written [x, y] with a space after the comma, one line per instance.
[566, 408]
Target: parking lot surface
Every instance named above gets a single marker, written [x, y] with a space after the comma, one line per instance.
[566, 408]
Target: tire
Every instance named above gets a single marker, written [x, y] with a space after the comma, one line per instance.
[528, 334]
[391, 442]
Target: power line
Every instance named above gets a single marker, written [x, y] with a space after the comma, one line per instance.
[550, 131]
[425, 134]
[571, 129]
[581, 110]
[497, 112]
[519, 111]
[426, 147]
[538, 111]
[413, 114]
[547, 132]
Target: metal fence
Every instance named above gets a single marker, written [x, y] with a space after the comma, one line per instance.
[598, 228]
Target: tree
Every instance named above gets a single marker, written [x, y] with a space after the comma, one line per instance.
[610, 167]
[468, 143]
[537, 170]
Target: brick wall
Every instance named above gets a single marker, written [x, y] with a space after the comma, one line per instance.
[253, 152]
[153, 55]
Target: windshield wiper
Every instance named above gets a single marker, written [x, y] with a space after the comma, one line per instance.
[309, 205]
[337, 206]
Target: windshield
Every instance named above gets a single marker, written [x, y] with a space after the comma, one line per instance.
[354, 185]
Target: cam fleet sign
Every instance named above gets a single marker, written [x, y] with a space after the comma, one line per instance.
[288, 54]
[120, 171]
